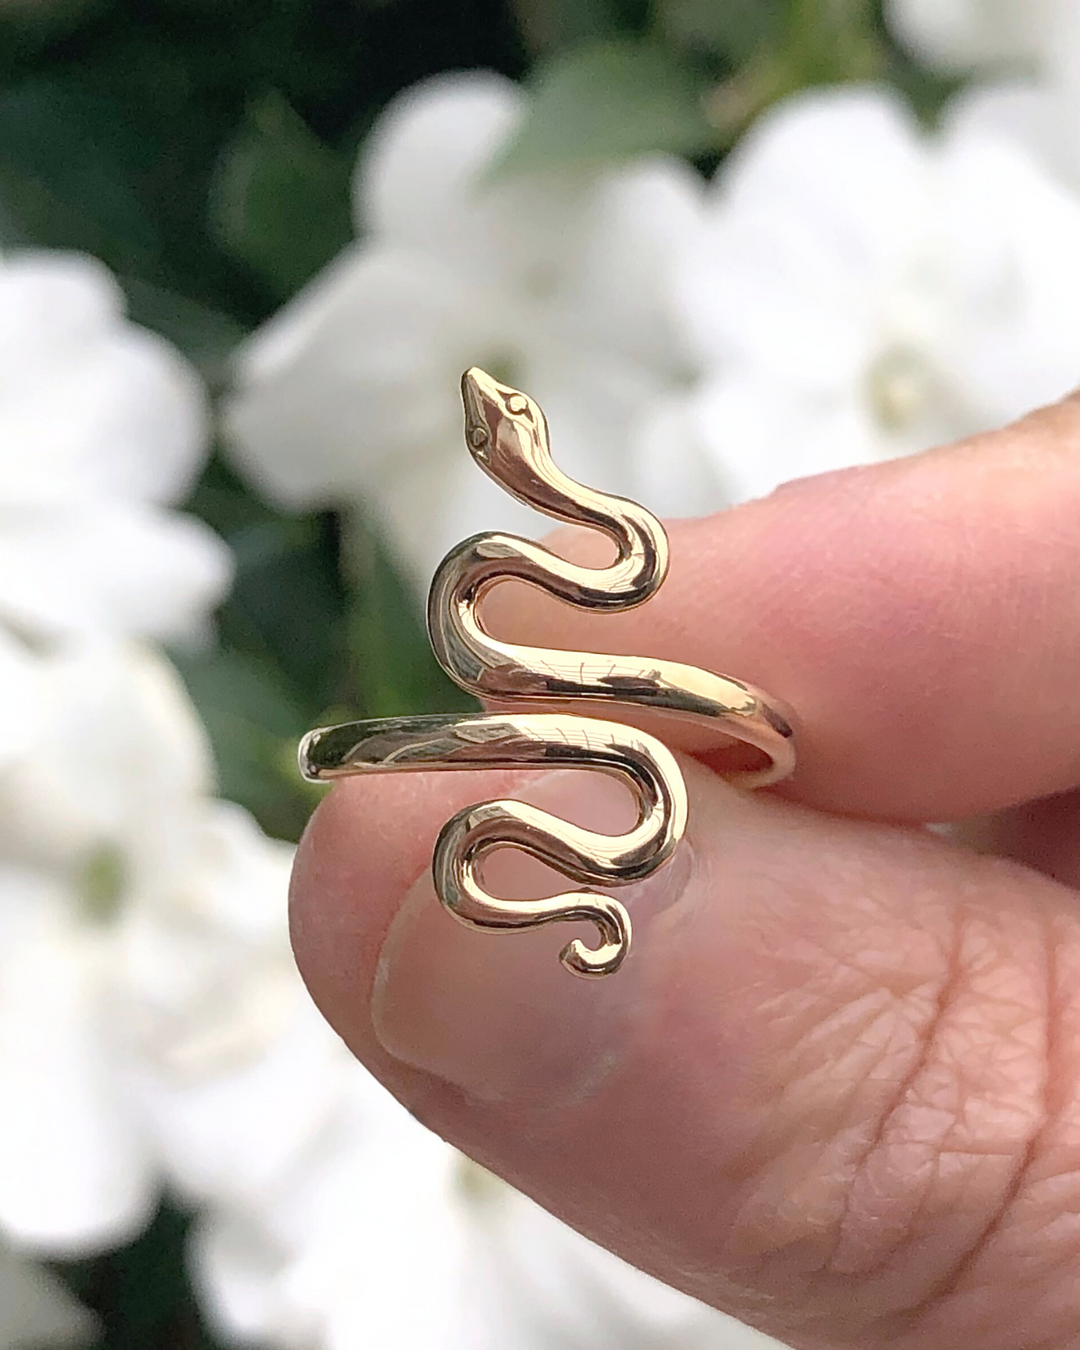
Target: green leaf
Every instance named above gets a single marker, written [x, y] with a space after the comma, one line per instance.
[69, 167]
[279, 202]
[732, 29]
[394, 671]
[835, 40]
[141, 1293]
[27, 27]
[547, 24]
[811, 42]
[282, 658]
[605, 101]
[206, 336]
[254, 727]
[285, 566]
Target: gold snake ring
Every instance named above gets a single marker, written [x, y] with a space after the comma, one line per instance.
[508, 437]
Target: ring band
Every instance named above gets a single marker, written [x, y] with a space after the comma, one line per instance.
[508, 437]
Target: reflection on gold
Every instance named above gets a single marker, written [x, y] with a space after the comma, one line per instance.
[507, 436]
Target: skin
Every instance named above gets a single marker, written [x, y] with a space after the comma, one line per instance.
[839, 1093]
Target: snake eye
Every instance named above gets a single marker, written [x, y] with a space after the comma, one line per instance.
[479, 437]
[517, 403]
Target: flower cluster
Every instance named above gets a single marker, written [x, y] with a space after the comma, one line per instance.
[1026, 55]
[154, 1032]
[120, 873]
[559, 283]
[849, 287]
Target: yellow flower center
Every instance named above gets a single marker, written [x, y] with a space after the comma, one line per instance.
[901, 386]
[101, 884]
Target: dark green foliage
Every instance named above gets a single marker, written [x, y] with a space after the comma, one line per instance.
[279, 202]
[733, 31]
[114, 130]
[611, 99]
[141, 1293]
[392, 668]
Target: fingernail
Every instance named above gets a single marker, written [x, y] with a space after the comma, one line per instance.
[497, 1014]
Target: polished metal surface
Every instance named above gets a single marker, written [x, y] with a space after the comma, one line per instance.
[507, 435]
[540, 740]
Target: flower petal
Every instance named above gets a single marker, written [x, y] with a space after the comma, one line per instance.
[22, 699]
[618, 291]
[761, 435]
[359, 372]
[959, 35]
[120, 754]
[416, 178]
[238, 1272]
[91, 402]
[232, 1137]
[37, 1308]
[102, 567]
[75, 1174]
[819, 203]
[1011, 234]
[1034, 116]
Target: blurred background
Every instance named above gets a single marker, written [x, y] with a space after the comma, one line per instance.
[247, 249]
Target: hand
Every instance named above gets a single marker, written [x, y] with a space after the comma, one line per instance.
[836, 1090]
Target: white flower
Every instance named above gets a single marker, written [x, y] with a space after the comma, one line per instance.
[958, 35]
[36, 1310]
[1027, 50]
[102, 429]
[863, 291]
[386, 1236]
[1040, 113]
[230, 1126]
[557, 283]
[143, 955]
[333, 1256]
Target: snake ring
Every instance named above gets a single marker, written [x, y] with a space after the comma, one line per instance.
[507, 436]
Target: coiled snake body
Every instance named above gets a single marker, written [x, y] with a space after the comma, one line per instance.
[507, 436]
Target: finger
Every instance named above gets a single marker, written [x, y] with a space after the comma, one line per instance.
[834, 1090]
[922, 618]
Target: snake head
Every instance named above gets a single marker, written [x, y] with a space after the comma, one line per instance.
[502, 425]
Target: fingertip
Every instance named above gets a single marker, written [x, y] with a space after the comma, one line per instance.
[368, 843]
[339, 906]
